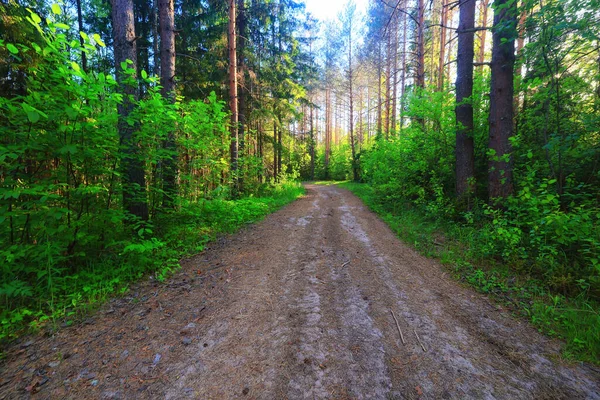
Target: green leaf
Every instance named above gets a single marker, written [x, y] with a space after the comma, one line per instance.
[144, 74]
[12, 48]
[69, 148]
[56, 9]
[61, 25]
[98, 40]
[36, 18]
[124, 65]
[75, 66]
[84, 35]
[33, 116]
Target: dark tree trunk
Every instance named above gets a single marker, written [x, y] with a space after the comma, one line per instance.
[500, 182]
[167, 81]
[133, 178]
[465, 157]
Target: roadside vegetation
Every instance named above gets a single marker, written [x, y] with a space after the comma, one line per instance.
[471, 251]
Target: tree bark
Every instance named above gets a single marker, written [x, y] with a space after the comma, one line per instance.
[388, 84]
[155, 41]
[167, 81]
[379, 98]
[403, 77]
[132, 165]
[500, 182]
[420, 77]
[465, 156]
[484, 13]
[351, 87]
[242, 91]
[395, 75]
[442, 59]
[233, 100]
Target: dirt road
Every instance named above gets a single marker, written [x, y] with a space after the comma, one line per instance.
[300, 306]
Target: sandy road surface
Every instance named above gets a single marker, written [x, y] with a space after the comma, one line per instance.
[300, 306]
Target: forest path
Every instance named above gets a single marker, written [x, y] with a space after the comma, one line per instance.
[299, 306]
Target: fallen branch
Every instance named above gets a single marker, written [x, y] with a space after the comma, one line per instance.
[419, 340]
[344, 264]
[398, 326]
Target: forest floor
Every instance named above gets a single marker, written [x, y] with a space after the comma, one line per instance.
[302, 305]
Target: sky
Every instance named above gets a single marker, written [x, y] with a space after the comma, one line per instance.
[329, 9]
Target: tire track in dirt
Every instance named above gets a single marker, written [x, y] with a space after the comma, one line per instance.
[299, 306]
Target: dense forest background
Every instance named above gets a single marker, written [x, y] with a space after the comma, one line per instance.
[133, 132]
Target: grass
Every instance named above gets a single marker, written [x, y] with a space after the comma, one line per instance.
[574, 319]
[156, 252]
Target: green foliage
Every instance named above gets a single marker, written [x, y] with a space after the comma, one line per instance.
[64, 244]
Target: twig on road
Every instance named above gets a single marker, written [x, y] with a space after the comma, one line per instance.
[419, 340]
[398, 326]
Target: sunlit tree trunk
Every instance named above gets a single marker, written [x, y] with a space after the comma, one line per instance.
[442, 59]
[420, 76]
[483, 32]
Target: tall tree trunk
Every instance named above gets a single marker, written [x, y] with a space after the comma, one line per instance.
[442, 59]
[420, 77]
[379, 98]
[279, 146]
[519, 68]
[351, 117]
[242, 91]
[133, 178]
[403, 77]
[500, 181]
[312, 143]
[465, 156]
[482, 36]
[327, 129]
[388, 84]
[155, 41]
[167, 81]
[233, 100]
[275, 158]
[395, 75]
